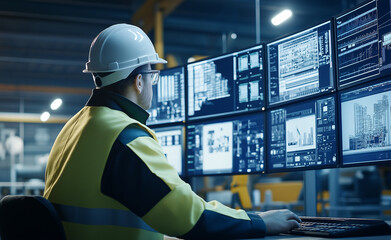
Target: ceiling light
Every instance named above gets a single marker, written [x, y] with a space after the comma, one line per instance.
[45, 116]
[281, 17]
[234, 36]
[56, 104]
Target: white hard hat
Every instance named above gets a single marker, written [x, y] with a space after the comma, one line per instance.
[119, 50]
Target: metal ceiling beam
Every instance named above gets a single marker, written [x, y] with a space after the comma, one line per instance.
[64, 12]
[204, 27]
[119, 5]
[31, 118]
[145, 17]
[151, 15]
[159, 40]
[210, 26]
[60, 62]
[44, 89]
[30, 37]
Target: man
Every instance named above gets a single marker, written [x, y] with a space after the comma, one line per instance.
[108, 176]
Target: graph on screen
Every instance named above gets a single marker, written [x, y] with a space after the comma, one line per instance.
[302, 135]
[300, 65]
[168, 102]
[363, 43]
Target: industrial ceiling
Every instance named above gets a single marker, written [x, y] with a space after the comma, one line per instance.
[46, 42]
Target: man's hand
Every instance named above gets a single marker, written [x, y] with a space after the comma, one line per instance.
[279, 221]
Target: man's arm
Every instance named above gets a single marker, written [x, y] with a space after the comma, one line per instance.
[138, 175]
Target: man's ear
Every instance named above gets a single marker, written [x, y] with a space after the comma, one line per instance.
[138, 84]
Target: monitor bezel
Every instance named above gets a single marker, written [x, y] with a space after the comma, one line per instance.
[182, 128]
[230, 113]
[268, 135]
[168, 122]
[333, 64]
[261, 115]
[357, 164]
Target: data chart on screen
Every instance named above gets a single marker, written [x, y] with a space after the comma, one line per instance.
[230, 146]
[168, 102]
[171, 139]
[364, 43]
[302, 136]
[366, 124]
[300, 65]
[231, 83]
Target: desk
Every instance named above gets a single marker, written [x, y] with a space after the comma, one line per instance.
[285, 236]
[318, 238]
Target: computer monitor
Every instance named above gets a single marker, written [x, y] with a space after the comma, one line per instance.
[226, 146]
[226, 84]
[172, 141]
[364, 43]
[302, 136]
[300, 65]
[366, 124]
[168, 102]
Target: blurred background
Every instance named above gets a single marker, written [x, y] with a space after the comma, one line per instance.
[44, 45]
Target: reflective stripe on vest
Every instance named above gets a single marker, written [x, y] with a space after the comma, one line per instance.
[101, 216]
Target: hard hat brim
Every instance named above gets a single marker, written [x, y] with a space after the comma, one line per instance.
[158, 61]
[161, 60]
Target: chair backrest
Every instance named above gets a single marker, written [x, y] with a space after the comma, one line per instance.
[29, 217]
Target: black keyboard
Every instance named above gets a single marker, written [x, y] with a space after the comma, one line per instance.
[341, 227]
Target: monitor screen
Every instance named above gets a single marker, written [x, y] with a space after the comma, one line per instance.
[300, 65]
[302, 136]
[172, 141]
[364, 43]
[230, 83]
[366, 124]
[168, 102]
[228, 146]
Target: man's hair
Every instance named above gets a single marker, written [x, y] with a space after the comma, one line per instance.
[120, 86]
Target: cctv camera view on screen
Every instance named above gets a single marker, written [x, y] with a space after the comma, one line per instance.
[228, 146]
[302, 135]
[366, 124]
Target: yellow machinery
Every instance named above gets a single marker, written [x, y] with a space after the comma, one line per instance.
[239, 187]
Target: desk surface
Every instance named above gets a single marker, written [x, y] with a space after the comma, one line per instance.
[307, 238]
[286, 236]
[318, 238]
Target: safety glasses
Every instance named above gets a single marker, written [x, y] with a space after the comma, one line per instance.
[154, 74]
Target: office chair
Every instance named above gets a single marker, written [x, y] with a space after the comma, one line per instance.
[29, 217]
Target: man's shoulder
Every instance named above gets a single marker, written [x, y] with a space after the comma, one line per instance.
[132, 132]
